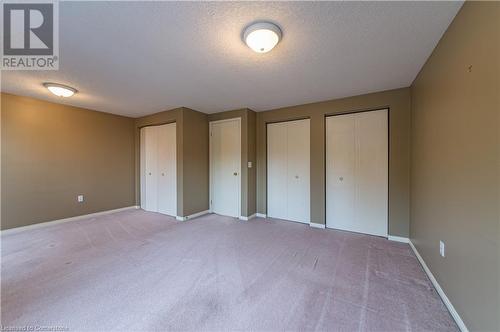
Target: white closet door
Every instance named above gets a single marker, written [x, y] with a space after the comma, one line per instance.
[150, 175]
[167, 165]
[225, 167]
[357, 172]
[298, 207]
[288, 177]
[277, 172]
[340, 168]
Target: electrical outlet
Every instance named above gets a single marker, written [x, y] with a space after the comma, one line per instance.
[79, 198]
[441, 248]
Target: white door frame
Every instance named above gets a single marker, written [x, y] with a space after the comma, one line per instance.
[210, 125]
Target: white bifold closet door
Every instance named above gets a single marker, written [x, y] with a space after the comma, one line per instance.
[357, 172]
[159, 169]
[288, 170]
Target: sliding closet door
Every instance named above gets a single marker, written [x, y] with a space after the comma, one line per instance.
[288, 160]
[150, 170]
[167, 165]
[357, 172]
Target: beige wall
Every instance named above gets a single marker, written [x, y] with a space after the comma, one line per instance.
[52, 152]
[248, 175]
[398, 101]
[252, 156]
[192, 157]
[196, 176]
[455, 164]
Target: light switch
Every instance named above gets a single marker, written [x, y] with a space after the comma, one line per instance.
[80, 198]
[249, 164]
[441, 248]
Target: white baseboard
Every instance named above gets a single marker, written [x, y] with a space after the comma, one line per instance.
[315, 225]
[191, 216]
[247, 218]
[60, 221]
[440, 291]
[261, 215]
[398, 239]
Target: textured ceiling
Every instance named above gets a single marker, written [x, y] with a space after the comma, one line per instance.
[135, 58]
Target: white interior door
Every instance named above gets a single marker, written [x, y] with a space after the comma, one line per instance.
[149, 201]
[167, 166]
[357, 172]
[288, 177]
[225, 167]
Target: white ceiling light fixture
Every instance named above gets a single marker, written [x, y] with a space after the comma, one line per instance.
[60, 90]
[262, 37]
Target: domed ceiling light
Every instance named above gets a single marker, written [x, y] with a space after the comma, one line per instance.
[60, 90]
[262, 37]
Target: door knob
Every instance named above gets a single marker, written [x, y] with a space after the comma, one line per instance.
[296, 176]
[235, 173]
[149, 173]
[162, 174]
[341, 178]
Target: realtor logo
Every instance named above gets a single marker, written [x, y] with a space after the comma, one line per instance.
[30, 36]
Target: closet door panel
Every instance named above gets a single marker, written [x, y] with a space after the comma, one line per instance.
[143, 167]
[372, 172]
[340, 165]
[277, 173]
[151, 168]
[298, 164]
[167, 164]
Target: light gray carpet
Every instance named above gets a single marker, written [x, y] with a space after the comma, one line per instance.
[136, 270]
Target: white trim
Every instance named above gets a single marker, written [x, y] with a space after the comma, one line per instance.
[261, 215]
[192, 216]
[60, 221]
[227, 120]
[240, 185]
[440, 291]
[315, 225]
[248, 218]
[398, 239]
